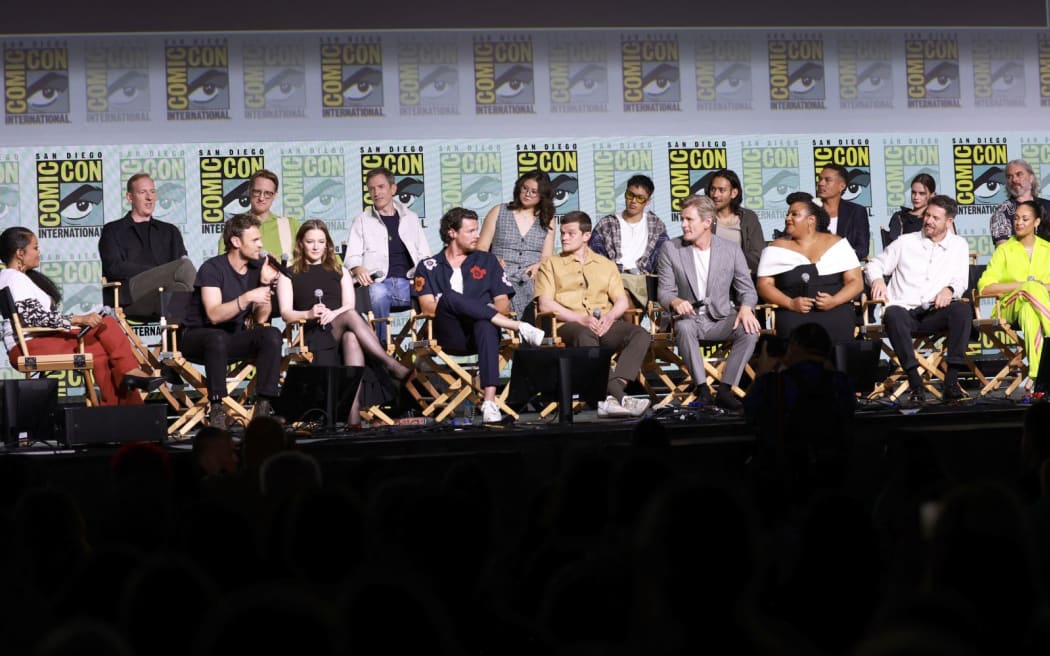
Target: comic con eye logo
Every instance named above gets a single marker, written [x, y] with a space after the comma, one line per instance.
[8, 203]
[170, 195]
[362, 83]
[942, 79]
[515, 81]
[734, 80]
[208, 87]
[409, 190]
[776, 188]
[1007, 76]
[989, 188]
[591, 80]
[79, 203]
[324, 200]
[481, 193]
[286, 87]
[440, 82]
[807, 79]
[236, 200]
[565, 187]
[659, 81]
[46, 91]
[873, 78]
[857, 183]
[128, 88]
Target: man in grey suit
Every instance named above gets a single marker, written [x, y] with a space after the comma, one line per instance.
[697, 274]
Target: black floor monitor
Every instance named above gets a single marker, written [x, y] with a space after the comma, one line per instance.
[534, 374]
[322, 394]
[859, 360]
[31, 407]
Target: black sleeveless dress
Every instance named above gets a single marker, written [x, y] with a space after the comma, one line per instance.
[377, 386]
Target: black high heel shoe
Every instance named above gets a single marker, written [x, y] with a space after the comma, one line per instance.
[144, 383]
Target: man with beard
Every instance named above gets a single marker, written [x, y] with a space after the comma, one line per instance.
[1023, 185]
[929, 273]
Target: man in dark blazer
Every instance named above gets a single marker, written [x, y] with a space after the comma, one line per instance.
[698, 274]
[144, 254]
[848, 220]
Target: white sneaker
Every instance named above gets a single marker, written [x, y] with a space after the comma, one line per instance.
[635, 407]
[530, 334]
[490, 413]
[611, 408]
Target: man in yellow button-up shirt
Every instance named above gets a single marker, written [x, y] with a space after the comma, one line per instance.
[584, 290]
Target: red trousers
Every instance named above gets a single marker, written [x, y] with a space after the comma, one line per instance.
[112, 358]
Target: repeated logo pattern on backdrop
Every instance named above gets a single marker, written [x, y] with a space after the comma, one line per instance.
[36, 82]
[472, 111]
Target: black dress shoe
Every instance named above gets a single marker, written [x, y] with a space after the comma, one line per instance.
[144, 383]
[916, 397]
[263, 408]
[953, 393]
[727, 400]
[703, 395]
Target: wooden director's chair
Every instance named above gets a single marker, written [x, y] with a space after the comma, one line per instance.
[31, 364]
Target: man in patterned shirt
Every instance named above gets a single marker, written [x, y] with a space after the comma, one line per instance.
[467, 291]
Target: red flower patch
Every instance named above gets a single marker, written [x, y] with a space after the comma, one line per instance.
[477, 272]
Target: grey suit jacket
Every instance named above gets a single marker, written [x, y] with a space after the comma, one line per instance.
[728, 272]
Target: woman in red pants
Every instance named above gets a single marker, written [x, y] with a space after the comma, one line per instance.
[36, 297]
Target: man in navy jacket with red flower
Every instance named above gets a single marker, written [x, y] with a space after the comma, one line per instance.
[467, 291]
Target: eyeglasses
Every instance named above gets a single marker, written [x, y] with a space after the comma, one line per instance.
[259, 193]
[636, 198]
[529, 191]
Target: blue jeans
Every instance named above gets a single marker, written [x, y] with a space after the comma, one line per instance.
[391, 294]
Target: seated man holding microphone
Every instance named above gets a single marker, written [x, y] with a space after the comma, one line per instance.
[229, 288]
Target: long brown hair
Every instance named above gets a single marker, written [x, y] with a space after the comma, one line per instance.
[329, 262]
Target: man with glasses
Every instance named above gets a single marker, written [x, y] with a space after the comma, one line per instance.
[278, 232]
[144, 254]
[632, 238]
[386, 242]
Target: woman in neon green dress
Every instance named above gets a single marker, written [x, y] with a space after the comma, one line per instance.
[1020, 271]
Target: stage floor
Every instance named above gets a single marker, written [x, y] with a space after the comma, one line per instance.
[684, 425]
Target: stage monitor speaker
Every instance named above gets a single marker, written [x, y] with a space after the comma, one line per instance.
[114, 423]
[859, 360]
[538, 371]
[31, 407]
[319, 393]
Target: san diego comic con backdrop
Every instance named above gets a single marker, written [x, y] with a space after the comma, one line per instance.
[458, 116]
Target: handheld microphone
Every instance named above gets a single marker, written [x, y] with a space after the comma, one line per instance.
[266, 258]
[376, 275]
[285, 257]
[805, 284]
[104, 311]
[319, 297]
[596, 313]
